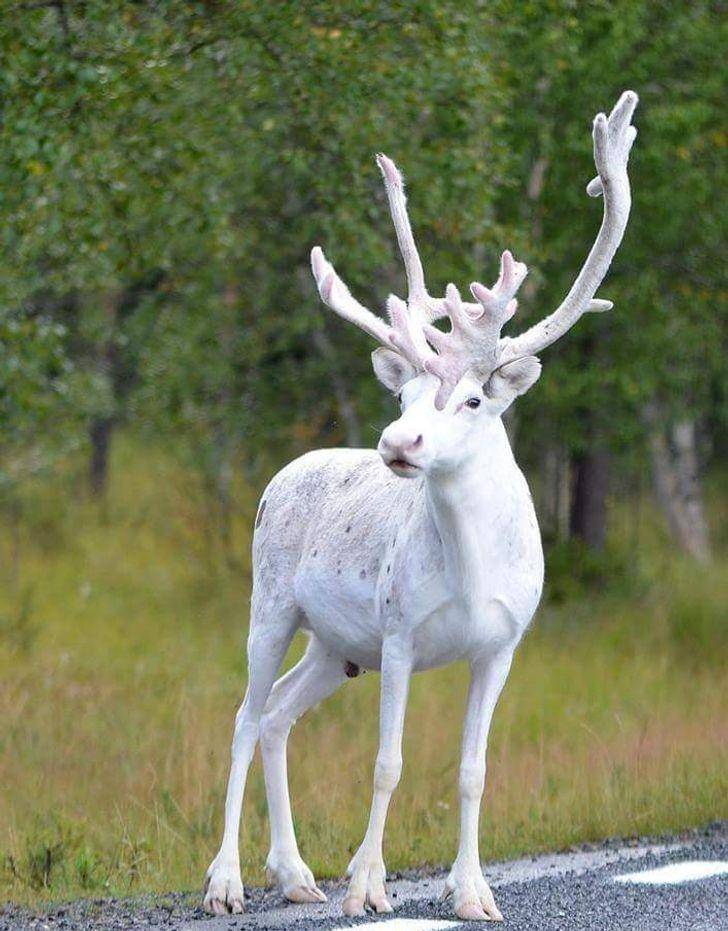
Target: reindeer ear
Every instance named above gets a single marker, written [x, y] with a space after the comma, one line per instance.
[392, 369]
[513, 378]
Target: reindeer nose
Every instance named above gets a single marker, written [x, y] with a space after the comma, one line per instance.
[399, 444]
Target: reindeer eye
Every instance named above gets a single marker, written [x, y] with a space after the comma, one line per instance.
[399, 398]
[472, 403]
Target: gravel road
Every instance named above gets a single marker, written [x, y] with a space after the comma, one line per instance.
[574, 890]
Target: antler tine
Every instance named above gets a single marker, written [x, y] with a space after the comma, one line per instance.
[499, 300]
[613, 138]
[450, 363]
[472, 342]
[430, 308]
[614, 129]
[406, 334]
[336, 295]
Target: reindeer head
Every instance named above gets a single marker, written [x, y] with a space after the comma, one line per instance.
[450, 384]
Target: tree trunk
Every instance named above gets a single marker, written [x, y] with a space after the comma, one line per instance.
[100, 431]
[588, 517]
[118, 360]
[676, 481]
[102, 425]
[555, 491]
[684, 442]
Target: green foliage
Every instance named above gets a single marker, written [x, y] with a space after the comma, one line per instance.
[697, 626]
[18, 631]
[664, 337]
[215, 145]
[41, 400]
[44, 859]
[32, 370]
[166, 168]
[575, 570]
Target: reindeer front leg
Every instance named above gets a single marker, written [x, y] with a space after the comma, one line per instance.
[367, 869]
[473, 899]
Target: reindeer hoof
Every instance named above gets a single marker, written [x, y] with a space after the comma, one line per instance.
[353, 906]
[304, 894]
[472, 898]
[471, 911]
[366, 888]
[294, 878]
[223, 890]
[381, 905]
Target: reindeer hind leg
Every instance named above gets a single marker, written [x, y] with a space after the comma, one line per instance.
[315, 677]
[273, 626]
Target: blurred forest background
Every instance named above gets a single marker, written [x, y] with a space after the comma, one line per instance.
[165, 168]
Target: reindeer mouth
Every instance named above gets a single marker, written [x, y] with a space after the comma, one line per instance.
[403, 467]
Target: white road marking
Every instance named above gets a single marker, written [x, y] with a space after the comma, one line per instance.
[687, 871]
[405, 924]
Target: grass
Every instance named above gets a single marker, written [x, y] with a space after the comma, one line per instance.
[122, 663]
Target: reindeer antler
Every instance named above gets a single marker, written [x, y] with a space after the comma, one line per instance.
[429, 308]
[405, 333]
[613, 138]
[337, 296]
[474, 341]
[475, 327]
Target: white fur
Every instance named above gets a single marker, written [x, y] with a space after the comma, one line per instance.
[392, 575]
[402, 576]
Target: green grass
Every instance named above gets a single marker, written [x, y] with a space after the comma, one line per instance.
[122, 663]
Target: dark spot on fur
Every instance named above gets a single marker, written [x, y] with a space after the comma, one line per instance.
[348, 529]
[386, 600]
[351, 669]
[315, 553]
[338, 571]
[259, 518]
[388, 568]
[363, 574]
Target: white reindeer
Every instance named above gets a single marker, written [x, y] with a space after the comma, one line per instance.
[403, 576]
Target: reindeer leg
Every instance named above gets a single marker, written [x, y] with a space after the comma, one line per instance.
[473, 899]
[367, 869]
[314, 678]
[271, 632]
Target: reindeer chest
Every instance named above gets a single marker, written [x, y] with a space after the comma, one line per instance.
[366, 573]
[466, 590]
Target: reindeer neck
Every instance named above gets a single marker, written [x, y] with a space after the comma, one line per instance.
[470, 509]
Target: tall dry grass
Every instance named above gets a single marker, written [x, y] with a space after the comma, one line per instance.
[122, 663]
